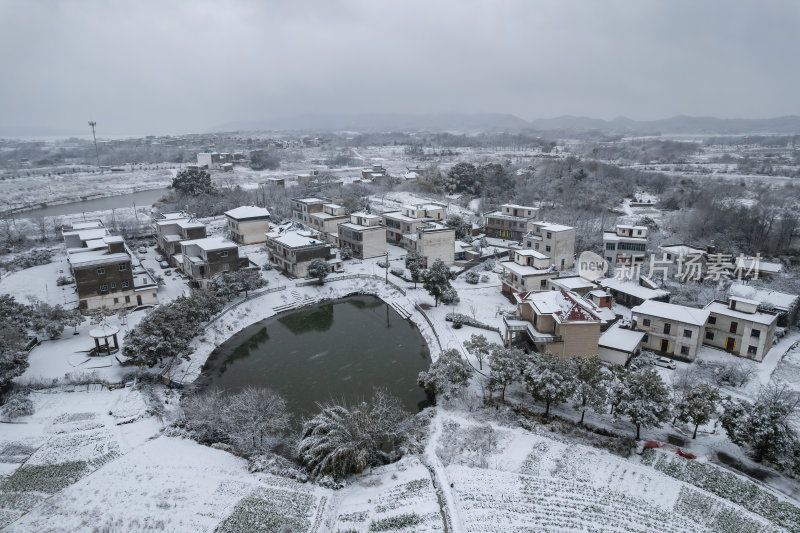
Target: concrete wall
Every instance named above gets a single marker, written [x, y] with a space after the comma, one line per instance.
[248, 231]
[579, 340]
[675, 338]
[437, 245]
[742, 339]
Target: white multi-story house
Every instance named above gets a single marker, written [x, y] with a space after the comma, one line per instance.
[293, 251]
[626, 245]
[510, 222]
[364, 235]
[556, 241]
[740, 328]
[327, 221]
[248, 224]
[674, 330]
[433, 241]
[406, 221]
[528, 270]
[303, 207]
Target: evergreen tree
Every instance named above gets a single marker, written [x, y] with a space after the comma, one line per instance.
[319, 268]
[448, 376]
[414, 264]
[549, 379]
[193, 182]
[505, 367]
[591, 385]
[645, 400]
[436, 280]
[698, 405]
[480, 347]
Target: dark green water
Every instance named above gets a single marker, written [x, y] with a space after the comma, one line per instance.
[338, 350]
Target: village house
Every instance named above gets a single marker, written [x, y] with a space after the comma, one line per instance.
[575, 284]
[303, 207]
[784, 304]
[510, 222]
[406, 221]
[364, 235]
[674, 330]
[213, 160]
[375, 173]
[432, 241]
[632, 293]
[682, 252]
[626, 245]
[740, 328]
[202, 259]
[559, 322]
[171, 229]
[305, 179]
[556, 241]
[293, 251]
[327, 221]
[617, 344]
[248, 224]
[528, 270]
[105, 272]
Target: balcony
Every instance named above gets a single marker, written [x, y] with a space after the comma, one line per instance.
[517, 323]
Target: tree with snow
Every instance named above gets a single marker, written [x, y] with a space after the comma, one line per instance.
[480, 348]
[450, 297]
[698, 405]
[448, 376]
[257, 419]
[591, 385]
[414, 263]
[617, 377]
[461, 226]
[436, 280]
[346, 253]
[549, 379]
[193, 182]
[228, 285]
[343, 440]
[505, 367]
[319, 268]
[645, 400]
[14, 317]
[765, 426]
[249, 279]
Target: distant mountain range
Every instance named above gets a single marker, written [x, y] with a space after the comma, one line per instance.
[475, 122]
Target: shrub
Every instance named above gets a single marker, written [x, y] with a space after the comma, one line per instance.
[63, 280]
[472, 277]
[484, 278]
[488, 265]
[17, 405]
[398, 271]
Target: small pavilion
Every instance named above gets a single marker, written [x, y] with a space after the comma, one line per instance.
[101, 334]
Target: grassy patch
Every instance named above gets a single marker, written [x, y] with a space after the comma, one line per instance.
[269, 510]
[396, 522]
[44, 478]
[732, 488]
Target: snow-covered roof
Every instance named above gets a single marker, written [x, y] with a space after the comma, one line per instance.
[89, 224]
[88, 234]
[564, 306]
[748, 263]
[632, 288]
[682, 249]
[322, 215]
[247, 212]
[99, 257]
[398, 215]
[721, 308]
[310, 200]
[778, 300]
[530, 252]
[597, 293]
[623, 340]
[94, 244]
[184, 223]
[550, 226]
[210, 244]
[113, 238]
[295, 240]
[611, 236]
[524, 270]
[678, 313]
[358, 227]
[571, 283]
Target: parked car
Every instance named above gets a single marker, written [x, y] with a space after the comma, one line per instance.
[163, 264]
[142, 250]
[160, 258]
[168, 272]
[666, 363]
[32, 342]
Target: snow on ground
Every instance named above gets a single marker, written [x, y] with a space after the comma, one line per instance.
[39, 283]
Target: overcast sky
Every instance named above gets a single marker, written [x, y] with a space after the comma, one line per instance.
[141, 67]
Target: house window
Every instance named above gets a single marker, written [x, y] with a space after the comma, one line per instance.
[127, 299]
[710, 335]
[125, 284]
[103, 287]
[101, 270]
[113, 284]
[543, 284]
[116, 300]
[645, 339]
[733, 327]
[667, 327]
[687, 333]
[610, 246]
[645, 321]
[684, 350]
[547, 248]
[123, 266]
[549, 235]
[712, 320]
[756, 333]
[752, 350]
[226, 267]
[223, 253]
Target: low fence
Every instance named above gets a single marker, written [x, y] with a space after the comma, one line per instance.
[428, 320]
[354, 276]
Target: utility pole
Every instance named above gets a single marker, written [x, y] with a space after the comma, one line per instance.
[387, 266]
[92, 123]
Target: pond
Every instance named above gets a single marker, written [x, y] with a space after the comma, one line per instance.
[106, 203]
[339, 350]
